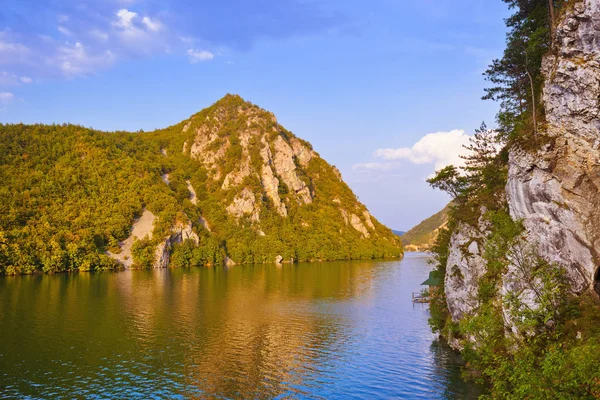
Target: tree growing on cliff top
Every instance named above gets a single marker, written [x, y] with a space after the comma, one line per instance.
[516, 77]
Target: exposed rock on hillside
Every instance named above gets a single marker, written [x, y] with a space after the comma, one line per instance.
[141, 228]
[180, 233]
[465, 267]
[244, 189]
[244, 204]
[555, 191]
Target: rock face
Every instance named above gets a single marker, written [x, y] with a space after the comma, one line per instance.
[465, 266]
[555, 191]
[141, 228]
[244, 204]
[265, 155]
[180, 233]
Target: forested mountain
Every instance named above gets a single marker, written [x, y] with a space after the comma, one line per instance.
[422, 236]
[229, 184]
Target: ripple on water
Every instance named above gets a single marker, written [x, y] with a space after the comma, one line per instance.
[329, 330]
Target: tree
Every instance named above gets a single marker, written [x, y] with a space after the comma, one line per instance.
[451, 181]
[516, 77]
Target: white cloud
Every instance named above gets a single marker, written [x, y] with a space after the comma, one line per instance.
[64, 31]
[76, 60]
[125, 18]
[440, 149]
[6, 98]
[12, 52]
[197, 56]
[373, 166]
[152, 24]
[92, 47]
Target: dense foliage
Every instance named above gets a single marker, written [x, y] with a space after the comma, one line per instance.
[544, 345]
[70, 194]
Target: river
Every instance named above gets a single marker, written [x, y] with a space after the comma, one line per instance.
[337, 330]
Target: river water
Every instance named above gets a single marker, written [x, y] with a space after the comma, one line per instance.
[337, 330]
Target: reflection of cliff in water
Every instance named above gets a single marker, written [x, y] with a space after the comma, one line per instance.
[448, 373]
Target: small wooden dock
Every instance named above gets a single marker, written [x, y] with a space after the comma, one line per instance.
[419, 298]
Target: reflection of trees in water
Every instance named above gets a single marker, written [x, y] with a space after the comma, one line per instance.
[248, 331]
[447, 372]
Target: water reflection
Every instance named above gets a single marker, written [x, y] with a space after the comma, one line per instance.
[323, 330]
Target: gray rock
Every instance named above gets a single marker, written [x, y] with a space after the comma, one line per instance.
[555, 191]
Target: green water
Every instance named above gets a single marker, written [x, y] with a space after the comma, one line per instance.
[322, 330]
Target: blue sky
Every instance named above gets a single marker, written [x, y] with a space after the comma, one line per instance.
[386, 90]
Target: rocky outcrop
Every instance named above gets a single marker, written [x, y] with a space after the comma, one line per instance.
[286, 168]
[355, 222]
[555, 191]
[368, 221]
[179, 234]
[237, 176]
[466, 265]
[142, 228]
[193, 197]
[244, 204]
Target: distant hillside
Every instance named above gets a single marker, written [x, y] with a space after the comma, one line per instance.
[399, 233]
[229, 184]
[422, 236]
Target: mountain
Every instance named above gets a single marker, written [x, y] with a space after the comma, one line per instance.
[399, 233]
[422, 236]
[229, 184]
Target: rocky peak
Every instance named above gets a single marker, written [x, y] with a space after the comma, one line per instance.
[239, 142]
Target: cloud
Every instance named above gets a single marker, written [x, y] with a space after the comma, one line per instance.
[125, 19]
[12, 52]
[64, 31]
[6, 98]
[440, 149]
[153, 25]
[75, 60]
[197, 56]
[10, 79]
[373, 166]
[32, 39]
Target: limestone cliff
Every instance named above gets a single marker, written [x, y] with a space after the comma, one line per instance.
[553, 190]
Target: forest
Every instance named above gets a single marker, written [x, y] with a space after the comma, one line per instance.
[70, 195]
